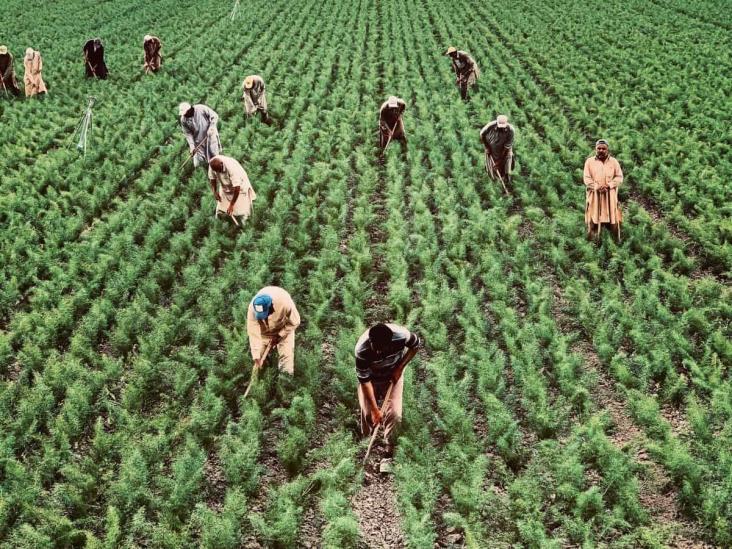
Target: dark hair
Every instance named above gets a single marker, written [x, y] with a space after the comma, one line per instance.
[380, 335]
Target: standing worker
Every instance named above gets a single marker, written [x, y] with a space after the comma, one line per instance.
[152, 50]
[231, 188]
[94, 59]
[391, 125]
[466, 70]
[255, 98]
[33, 63]
[497, 138]
[8, 83]
[272, 319]
[602, 176]
[382, 352]
[198, 123]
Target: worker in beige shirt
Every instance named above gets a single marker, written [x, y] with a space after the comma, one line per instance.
[272, 318]
[602, 177]
[231, 188]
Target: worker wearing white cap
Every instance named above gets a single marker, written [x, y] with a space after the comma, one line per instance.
[198, 123]
[391, 125]
[497, 138]
[602, 177]
[255, 98]
[8, 83]
[466, 70]
[152, 48]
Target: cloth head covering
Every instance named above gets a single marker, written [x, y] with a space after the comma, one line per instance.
[3, 50]
[29, 53]
[147, 37]
[502, 121]
[183, 108]
[393, 101]
[602, 142]
[451, 49]
[261, 305]
[249, 82]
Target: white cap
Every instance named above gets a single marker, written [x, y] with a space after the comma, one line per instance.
[502, 121]
[183, 108]
[393, 101]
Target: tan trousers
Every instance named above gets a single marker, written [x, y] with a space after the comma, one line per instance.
[286, 353]
[393, 413]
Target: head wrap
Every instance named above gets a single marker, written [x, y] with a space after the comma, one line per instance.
[393, 101]
[29, 53]
[502, 121]
[3, 50]
[183, 108]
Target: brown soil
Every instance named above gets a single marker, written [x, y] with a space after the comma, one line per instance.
[375, 505]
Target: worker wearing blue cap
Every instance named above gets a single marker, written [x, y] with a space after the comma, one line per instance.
[272, 318]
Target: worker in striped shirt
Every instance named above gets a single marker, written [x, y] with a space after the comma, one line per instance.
[382, 352]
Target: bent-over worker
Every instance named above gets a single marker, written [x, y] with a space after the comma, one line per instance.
[198, 123]
[602, 177]
[152, 48]
[94, 59]
[33, 80]
[497, 138]
[466, 70]
[382, 352]
[231, 188]
[272, 317]
[8, 82]
[391, 125]
[255, 98]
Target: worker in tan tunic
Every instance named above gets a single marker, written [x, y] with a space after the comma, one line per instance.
[231, 188]
[391, 123]
[8, 83]
[153, 58]
[381, 353]
[255, 97]
[466, 70]
[273, 318]
[602, 177]
[33, 63]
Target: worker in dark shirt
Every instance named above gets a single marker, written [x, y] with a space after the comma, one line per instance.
[382, 352]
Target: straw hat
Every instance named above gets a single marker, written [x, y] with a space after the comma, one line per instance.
[249, 82]
[451, 49]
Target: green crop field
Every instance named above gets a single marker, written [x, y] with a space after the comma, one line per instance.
[568, 393]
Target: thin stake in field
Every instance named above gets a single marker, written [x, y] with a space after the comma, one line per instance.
[83, 131]
[235, 9]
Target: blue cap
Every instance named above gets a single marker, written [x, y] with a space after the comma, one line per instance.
[261, 305]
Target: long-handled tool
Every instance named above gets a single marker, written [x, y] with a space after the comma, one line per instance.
[194, 152]
[2, 81]
[391, 133]
[255, 372]
[493, 169]
[235, 9]
[387, 401]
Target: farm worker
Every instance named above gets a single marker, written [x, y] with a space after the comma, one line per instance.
[199, 126]
[153, 58]
[497, 139]
[7, 73]
[602, 177]
[382, 352]
[33, 63]
[391, 125]
[273, 318]
[254, 97]
[231, 188]
[94, 59]
[466, 70]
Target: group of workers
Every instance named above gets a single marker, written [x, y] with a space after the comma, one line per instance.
[383, 350]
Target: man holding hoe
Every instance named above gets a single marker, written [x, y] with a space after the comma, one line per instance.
[382, 352]
[391, 125]
[272, 319]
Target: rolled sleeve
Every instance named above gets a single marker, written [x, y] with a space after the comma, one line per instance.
[363, 370]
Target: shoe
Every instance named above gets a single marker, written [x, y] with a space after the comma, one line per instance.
[386, 466]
